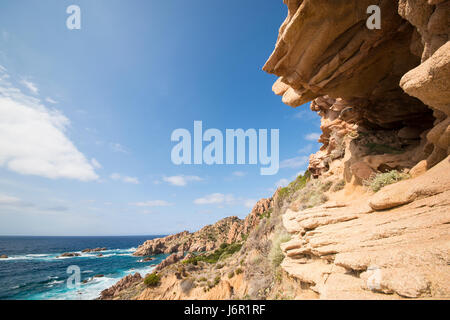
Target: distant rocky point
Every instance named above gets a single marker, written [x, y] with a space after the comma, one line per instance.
[93, 250]
[69, 254]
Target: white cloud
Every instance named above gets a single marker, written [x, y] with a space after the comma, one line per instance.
[222, 200]
[131, 180]
[306, 149]
[117, 147]
[250, 203]
[153, 203]
[281, 183]
[33, 139]
[95, 163]
[294, 163]
[30, 86]
[181, 181]
[239, 173]
[215, 198]
[5, 199]
[312, 136]
[126, 179]
[50, 100]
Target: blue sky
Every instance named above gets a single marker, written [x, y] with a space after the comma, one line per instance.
[88, 114]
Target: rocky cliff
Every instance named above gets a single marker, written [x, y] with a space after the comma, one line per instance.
[228, 230]
[371, 217]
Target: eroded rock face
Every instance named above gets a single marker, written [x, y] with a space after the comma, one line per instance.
[352, 252]
[325, 48]
[363, 80]
[173, 258]
[123, 284]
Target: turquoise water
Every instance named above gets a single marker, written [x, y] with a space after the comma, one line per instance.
[33, 271]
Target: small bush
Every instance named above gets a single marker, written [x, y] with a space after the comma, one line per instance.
[187, 285]
[326, 186]
[238, 271]
[276, 256]
[266, 214]
[223, 252]
[231, 274]
[312, 195]
[294, 186]
[378, 181]
[152, 280]
[339, 186]
[203, 279]
[216, 280]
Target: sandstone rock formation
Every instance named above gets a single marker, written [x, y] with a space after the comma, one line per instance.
[120, 286]
[173, 258]
[384, 101]
[325, 52]
[337, 251]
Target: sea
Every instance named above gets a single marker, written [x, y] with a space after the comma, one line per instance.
[33, 270]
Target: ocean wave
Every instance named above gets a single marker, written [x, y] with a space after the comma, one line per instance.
[87, 271]
[56, 256]
[54, 282]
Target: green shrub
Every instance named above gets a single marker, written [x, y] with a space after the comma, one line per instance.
[216, 280]
[152, 280]
[276, 256]
[339, 185]
[312, 195]
[231, 274]
[266, 214]
[223, 252]
[326, 186]
[238, 271]
[378, 181]
[294, 186]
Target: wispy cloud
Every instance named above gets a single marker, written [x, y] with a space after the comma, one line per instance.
[181, 181]
[30, 86]
[215, 198]
[295, 162]
[306, 149]
[250, 203]
[153, 203]
[33, 139]
[117, 147]
[95, 163]
[6, 200]
[239, 173]
[281, 183]
[221, 200]
[306, 114]
[312, 136]
[50, 100]
[126, 179]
